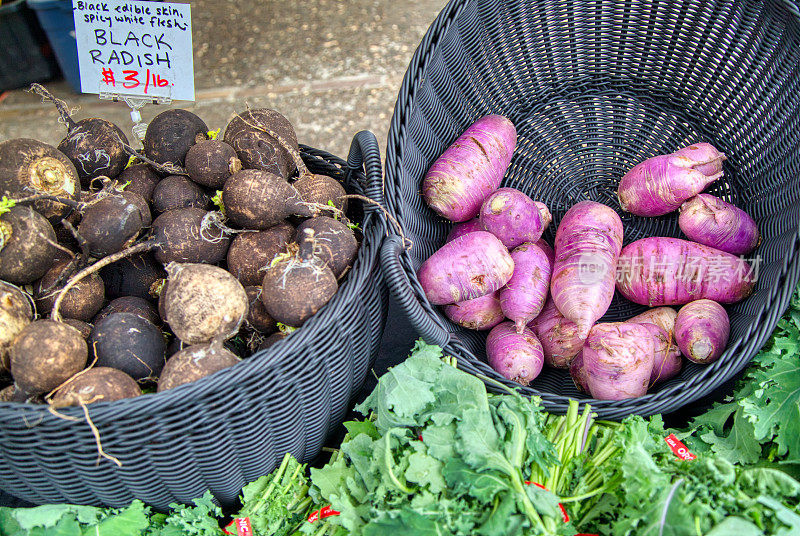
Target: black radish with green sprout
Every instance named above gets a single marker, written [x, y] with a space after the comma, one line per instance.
[210, 163]
[171, 134]
[29, 167]
[27, 244]
[250, 253]
[297, 285]
[140, 179]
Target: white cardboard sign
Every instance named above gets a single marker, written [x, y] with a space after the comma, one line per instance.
[131, 48]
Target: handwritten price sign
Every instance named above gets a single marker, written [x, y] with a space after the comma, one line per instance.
[135, 48]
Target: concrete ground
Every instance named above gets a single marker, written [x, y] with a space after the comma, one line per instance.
[331, 67]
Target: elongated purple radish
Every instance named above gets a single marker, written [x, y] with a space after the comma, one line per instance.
[618, 358]
[578, 373]
[703, 152]
[471, 168]
[711, 221]
[513, 217]
[588, 243]
[660, 184]
[702, 330]
[479, 314]
[663, 317]
[463, 228]
[658, 271]
[523, 296]
[469, 267]
[516, 356]
[548, 250]
[559, 336]
[667, 359]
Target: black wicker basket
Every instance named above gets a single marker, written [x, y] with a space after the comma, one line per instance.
[228, 429]
[594, 87]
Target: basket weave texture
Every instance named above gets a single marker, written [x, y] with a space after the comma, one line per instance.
[225, 430]
[594, 87]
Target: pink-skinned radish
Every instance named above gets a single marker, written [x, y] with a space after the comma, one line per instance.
[588, 243]
[479, 314]
[618, 358]
[712, 222]
[578, 373]
[469, 267]
[702, 329]
[663, 317]
[667, 360]
[516, 356]
[463, 228]
[559, 336]
[660, 184]
[548, 250]
[659, 271]
[523, 296]
[471, 168]
[513, 217]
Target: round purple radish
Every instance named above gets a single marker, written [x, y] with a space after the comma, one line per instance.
[471, 168]
[469, 267]
[588, 242]
[516, 356]
[578, 373]
[513, 217]
[667, 360]
[660, 184]
[660, 271]
[663, 317]
[711, 221]
[559, 336]
[619, 360]
[709, 157]
[479, 314]
[463, 228]
[702, 330]
[523, 296]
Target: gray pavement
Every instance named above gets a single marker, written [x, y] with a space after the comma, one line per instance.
[331, 67]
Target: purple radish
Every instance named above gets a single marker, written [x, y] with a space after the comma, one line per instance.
[618, 358]
[513, 217]
[516, 356]
[702, 330]
[480, 313]
[463, 228]
[523, 296]
[660, 184]
[588, 242]
[667, 360]
[663, 317]
[660, 271]
[469, 267]
[578, 373]
[703, 152]
[471, 168]
[559, 336]
[548, 250]
[711, 221]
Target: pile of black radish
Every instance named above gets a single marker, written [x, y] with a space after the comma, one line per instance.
[126, 272]
[541, 304]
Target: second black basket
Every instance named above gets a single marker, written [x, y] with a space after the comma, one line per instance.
[595, 87]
